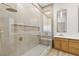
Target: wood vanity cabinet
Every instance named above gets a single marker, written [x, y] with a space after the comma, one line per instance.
[61, 44]
[67, 45]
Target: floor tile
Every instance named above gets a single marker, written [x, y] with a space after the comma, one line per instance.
[54, 52]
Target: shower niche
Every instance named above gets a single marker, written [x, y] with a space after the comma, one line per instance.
[24, 28]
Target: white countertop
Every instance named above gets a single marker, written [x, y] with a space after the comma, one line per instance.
[70, 37]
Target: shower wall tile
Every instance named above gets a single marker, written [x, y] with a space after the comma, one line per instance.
[45, 42]
[29, 41]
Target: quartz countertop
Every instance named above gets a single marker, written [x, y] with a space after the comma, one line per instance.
[70, 37]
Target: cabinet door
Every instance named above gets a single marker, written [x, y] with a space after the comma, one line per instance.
[74, 47]
[57, 43]
[74, 50]
[74, 43]
[64, 45]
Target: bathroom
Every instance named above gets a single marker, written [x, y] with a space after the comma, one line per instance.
[39, 29]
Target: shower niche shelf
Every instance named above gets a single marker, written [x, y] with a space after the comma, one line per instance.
[24, 28]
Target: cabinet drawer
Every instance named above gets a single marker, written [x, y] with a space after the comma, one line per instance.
[57, 38]
[70, 40]
[74, 50]
[74, 43]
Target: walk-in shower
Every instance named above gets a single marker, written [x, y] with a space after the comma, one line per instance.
[22, 33]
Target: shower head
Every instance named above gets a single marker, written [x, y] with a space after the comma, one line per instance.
[10, 9]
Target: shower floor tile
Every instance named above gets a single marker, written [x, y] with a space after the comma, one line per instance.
[36, 51]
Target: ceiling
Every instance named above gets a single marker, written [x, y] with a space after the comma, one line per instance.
[47, 8]
[44, 4]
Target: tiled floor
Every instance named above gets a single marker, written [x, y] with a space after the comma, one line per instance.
[54, 52]
[39, 50]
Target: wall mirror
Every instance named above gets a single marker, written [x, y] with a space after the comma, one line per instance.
[62, 20]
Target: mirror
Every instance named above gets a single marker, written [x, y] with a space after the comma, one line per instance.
[62, 20]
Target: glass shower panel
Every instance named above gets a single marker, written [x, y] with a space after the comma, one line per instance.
[1, 33]
[4, 35]
[46, 34]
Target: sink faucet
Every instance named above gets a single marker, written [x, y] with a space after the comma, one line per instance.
[61, 34]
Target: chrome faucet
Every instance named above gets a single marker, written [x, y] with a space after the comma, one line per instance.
[61, 34]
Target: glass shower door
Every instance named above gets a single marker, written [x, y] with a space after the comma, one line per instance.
[5, 40]
[1, 33]
[4, 35]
